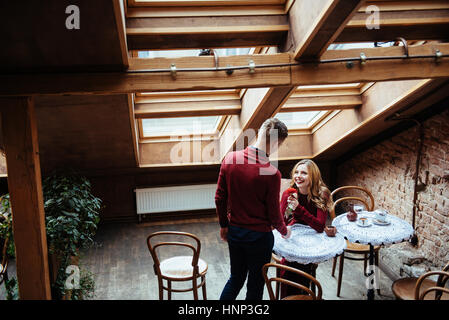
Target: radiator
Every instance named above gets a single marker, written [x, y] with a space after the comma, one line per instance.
[181, 198]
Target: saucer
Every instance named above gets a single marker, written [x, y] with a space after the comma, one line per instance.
[368, 223]
[381, 223]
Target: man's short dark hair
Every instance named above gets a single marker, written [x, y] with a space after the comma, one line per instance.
[272, 124]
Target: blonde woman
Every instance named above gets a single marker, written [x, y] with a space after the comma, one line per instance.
[313, 202]
[310, 208]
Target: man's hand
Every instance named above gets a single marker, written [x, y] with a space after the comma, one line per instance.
[289, 233]
[224, 234]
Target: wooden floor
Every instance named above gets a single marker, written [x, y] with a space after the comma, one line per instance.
[123, 267]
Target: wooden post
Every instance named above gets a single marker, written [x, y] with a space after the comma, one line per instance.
[25, 187]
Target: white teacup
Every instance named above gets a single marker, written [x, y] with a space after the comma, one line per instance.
[381, 215]
[364, 221]
[358, 209]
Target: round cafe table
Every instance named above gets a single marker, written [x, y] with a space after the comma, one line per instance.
[398, 230]
[306, 246]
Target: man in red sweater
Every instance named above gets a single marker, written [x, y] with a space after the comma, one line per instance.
[247, 202]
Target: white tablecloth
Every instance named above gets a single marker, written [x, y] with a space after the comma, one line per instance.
[397, 231]
[308, 246]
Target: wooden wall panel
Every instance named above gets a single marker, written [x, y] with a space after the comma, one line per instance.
[173, 152]
[84, 132]
[118, 196]
[35, 37]
[296, 146]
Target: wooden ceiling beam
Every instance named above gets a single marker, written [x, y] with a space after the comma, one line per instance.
[202, 3]
[315, 24]
[332, 92]
[305, 74]
[206, 32]
[134, 127]
[176, 12]
[349, 128]
[409, 24]
[295, 104]
[119, 12]
[372, 71]
[183, 96]
[406, 5]
[257, 106]
[187, 109]
[20, 137]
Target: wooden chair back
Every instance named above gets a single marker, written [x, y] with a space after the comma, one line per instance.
[439, 289]
[332, 212]
[438, 292]
[195, 248]
[369, 207]
[443, 277]
[279, 267]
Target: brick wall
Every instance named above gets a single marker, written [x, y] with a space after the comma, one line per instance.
[387, 170]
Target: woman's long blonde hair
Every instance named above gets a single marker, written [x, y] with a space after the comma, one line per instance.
[318, 192]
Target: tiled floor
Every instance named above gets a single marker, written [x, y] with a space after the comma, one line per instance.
[123, 267]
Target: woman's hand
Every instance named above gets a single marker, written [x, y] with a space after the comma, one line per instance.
[292, 202]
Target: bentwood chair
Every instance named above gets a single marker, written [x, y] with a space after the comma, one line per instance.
[354, 249]
[278, 260]
[178, 268]
[310, 294]
[419, 288]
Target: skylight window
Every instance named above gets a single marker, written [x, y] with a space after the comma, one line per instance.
[200, 2]
[191, 53]
[359, 45]
[295, 120]
[182, 126]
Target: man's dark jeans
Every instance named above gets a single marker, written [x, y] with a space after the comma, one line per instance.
[248, 258]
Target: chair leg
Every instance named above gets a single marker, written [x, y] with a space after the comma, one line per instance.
[313, 273]
[376, 262]
[365, 261]
[278, 288]
[340, 273]
[203, 279]
[334, 264]
[161, 290]
[169, 289]
[195, 289]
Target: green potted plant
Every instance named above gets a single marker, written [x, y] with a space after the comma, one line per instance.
[72, 216]
[6, 235]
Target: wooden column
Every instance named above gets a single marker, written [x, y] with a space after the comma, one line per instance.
[25, 187]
